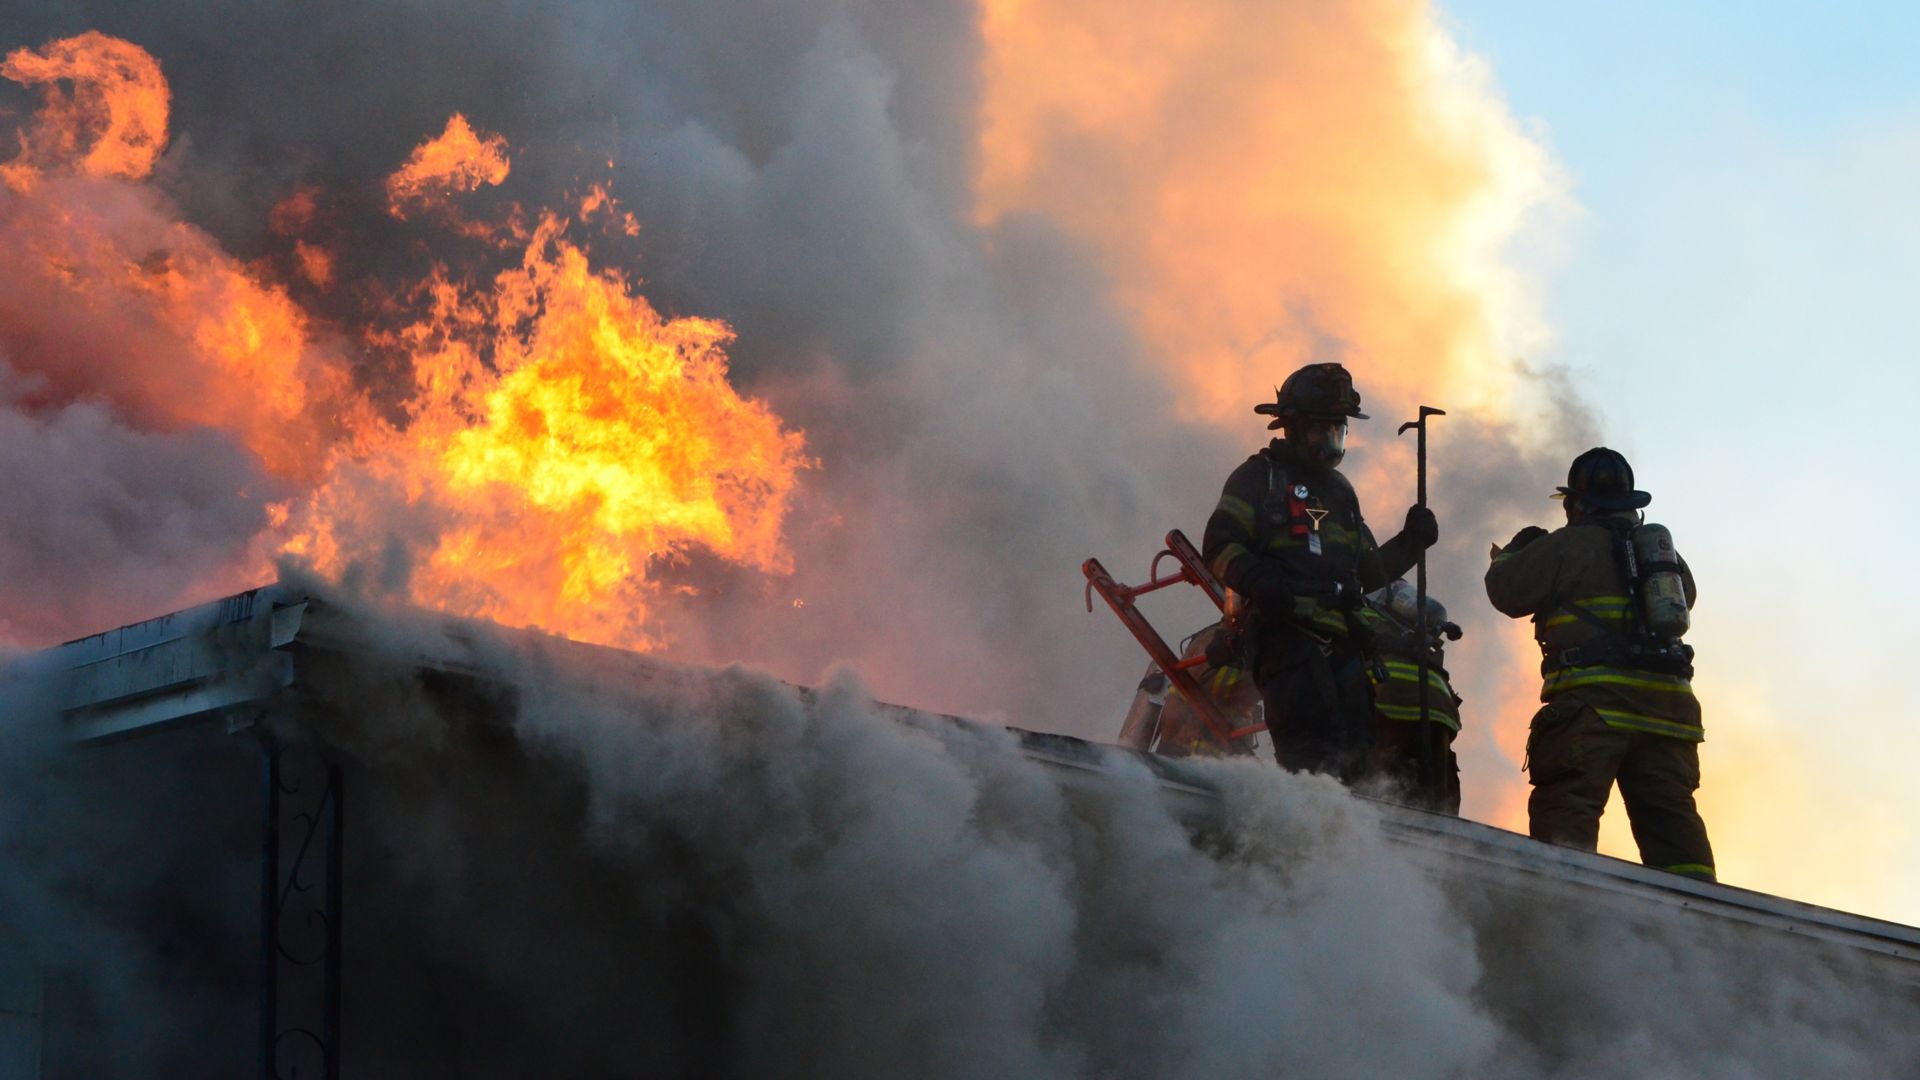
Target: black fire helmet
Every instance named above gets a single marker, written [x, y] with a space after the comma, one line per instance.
[1603, 480]
[1318, 390]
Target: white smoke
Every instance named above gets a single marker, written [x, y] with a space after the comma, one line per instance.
[103, 518]
[661, 871]
[863, 897]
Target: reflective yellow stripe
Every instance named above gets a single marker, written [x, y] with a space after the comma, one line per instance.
[1412, 713]
[1402, 671]
[1330, 546]
[1575, 677]
[1331, 532]
[1222, 683]
[1225, 559]
[1605, 608]
[1329, 621]
[1630, 721]
[1237, 508]
[1696, 869]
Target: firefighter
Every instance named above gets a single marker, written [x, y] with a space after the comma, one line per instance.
[1288, 537]
[1162, 721]
[1412, 761]
[1619, 704]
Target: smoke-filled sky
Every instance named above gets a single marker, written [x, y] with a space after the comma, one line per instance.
[1734, 300]
[999, 284]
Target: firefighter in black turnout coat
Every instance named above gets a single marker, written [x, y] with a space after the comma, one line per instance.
[1288, 536]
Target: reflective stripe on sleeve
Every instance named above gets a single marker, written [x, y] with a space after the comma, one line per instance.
[1237, 508]
[1225, 559]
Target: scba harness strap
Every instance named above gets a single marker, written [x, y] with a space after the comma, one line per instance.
[1663, 658]
[1615, 649]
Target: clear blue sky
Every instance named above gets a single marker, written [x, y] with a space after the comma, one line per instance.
[1739, 298]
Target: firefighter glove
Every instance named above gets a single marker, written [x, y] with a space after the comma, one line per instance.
[1422, 527]
[1224, 650]
[1524, 537]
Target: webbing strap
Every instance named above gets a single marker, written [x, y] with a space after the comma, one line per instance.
[1672, 658]
[1591, 619]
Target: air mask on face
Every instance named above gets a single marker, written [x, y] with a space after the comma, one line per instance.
[1323, 442]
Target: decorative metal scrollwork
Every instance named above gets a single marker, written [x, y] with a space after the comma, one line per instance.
[300, 902]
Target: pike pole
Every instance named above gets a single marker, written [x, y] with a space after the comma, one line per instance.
[1427, 734]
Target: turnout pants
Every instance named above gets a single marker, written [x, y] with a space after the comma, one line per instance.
[1399, 767]
[1319, 706]
[1574, 759]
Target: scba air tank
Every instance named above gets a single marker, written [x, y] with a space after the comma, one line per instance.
[1402, 601]
[1663, 594]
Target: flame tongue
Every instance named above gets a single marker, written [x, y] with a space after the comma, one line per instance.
[107, 294]
[604, 437]
[562, 435]
[112, 123]
[457, 160]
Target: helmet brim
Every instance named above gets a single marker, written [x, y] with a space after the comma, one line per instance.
[1632, 500]
[1280, 418]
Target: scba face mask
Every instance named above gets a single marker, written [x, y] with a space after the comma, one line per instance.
[1324, 442]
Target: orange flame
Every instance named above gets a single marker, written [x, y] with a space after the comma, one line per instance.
[563, 437]
[602, 438]
[457, 160]
[112, 123]
[316, 264]
[107, 293]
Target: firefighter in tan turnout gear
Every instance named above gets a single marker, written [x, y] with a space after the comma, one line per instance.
[1287, 535]
[1609, 598]
[1165, 723]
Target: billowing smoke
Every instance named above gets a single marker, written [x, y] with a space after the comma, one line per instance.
[104, 519]
[1019, 303]
[618, 869]
[1014, 271]
[1019, 322]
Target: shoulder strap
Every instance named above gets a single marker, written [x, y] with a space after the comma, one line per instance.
[1260, 516]
[1590, 619]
